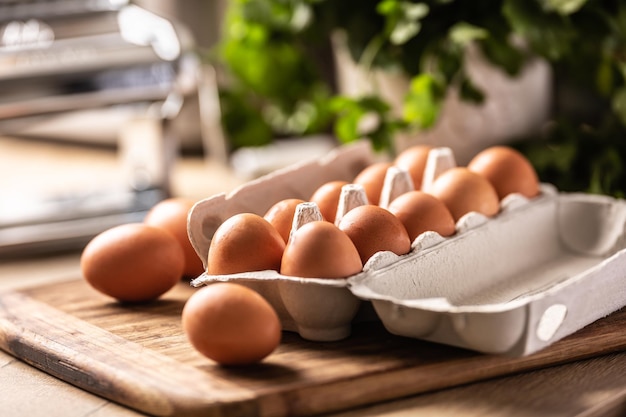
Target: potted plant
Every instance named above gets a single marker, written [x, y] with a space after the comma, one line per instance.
[280, 60]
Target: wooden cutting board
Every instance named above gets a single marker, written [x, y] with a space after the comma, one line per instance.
[138, 356]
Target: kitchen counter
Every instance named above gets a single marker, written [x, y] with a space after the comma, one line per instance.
[593, 387]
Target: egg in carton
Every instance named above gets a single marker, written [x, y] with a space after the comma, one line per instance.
[318, 309]
[512, 283]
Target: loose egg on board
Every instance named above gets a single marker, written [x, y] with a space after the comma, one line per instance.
[231, 324]
[280, 215]
[413, 160]
[245, 242]
[422, 212]
[508, 170]
[462, 191]
[319, 249]
[171, 215]
[327, 198]
[133, 262]
[373, 229]
[372, 178]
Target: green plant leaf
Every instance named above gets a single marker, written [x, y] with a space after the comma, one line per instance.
[289, 16]
[463, 33]
[347, 116]
[403, 31]
[563, 7]
[346, 126]
[388, 7]
[502, 53]
[422, 104]
[351, 112]
[236, 107]
[415, 11]
[549, 34]
[402, 19]
[279, 88]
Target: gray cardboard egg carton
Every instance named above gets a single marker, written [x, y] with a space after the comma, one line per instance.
[512, 284]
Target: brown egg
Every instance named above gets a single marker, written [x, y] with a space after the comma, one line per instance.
[245, 242]
[508, 170]
[372, 178]
[413, 160]
[231, 324]
[373, 229]
[280, 215]
[462, 191]
[327, 198]
[421, 212]
[171, 215]
[318, 249]
[133, 262]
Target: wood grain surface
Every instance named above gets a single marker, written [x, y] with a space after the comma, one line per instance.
[137, 355]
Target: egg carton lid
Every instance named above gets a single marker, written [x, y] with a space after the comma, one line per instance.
[513, 284]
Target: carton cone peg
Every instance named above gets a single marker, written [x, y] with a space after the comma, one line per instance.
[397, 182]
[439, 160]
[305, 212]
[352, 195]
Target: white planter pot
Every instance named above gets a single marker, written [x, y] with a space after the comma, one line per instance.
[514, 107]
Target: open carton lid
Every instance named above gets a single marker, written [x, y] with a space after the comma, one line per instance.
[511, 284]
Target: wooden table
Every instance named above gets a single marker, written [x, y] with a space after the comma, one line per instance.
[593, 387]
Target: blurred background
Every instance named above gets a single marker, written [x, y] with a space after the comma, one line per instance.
[99, 101]
[107, 107]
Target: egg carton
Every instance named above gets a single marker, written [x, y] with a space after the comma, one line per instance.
[511, 284]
